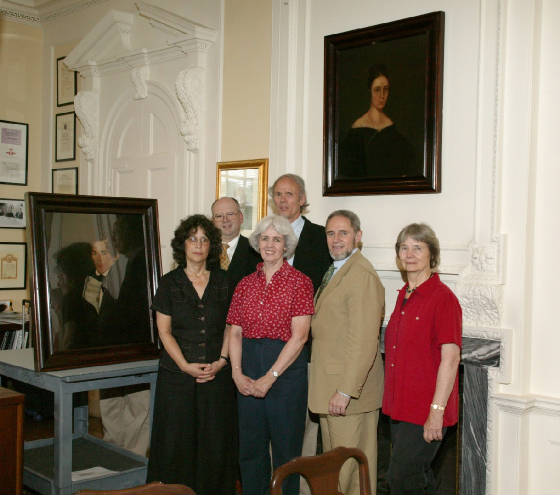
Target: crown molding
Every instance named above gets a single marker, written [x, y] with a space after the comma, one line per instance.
[42, 11]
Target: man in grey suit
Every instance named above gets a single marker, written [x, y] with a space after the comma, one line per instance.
[346, 379]
[238, 258]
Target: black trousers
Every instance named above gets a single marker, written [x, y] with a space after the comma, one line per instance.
[410, 468]
[276, 422]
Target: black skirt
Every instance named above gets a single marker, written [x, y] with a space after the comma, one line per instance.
[194, 433]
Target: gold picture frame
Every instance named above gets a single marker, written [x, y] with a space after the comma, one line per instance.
[247, 182]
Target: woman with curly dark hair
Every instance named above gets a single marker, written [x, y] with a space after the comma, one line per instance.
[194, 433]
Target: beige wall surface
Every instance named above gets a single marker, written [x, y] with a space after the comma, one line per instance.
[21, 61]
[246, 79]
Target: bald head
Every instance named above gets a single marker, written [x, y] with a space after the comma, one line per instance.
[227, 216]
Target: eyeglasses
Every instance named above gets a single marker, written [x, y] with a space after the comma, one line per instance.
[228, 216]
[195, 240]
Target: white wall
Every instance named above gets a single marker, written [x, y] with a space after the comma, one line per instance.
[496, 216]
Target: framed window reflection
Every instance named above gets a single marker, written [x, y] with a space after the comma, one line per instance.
[247, 182]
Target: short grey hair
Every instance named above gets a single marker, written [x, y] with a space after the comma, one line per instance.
[282, 226]
[301, 186]
[423, 233]
[350, 215]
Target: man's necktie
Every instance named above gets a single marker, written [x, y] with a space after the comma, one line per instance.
[326, 278]
[224, 260]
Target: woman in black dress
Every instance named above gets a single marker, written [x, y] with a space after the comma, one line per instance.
[374, 147]
[194, 434]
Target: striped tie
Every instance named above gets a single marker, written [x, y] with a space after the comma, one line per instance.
[224, 259]
[326, 278]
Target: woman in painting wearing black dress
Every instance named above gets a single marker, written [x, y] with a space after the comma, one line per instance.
[374, 147]
[194, 435]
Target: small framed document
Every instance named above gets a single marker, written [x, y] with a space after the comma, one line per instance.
[65, 141]
[66, 83]
[13, 258]
[65, 180]
[14, 138]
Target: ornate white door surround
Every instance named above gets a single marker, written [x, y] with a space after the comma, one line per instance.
[142, 108]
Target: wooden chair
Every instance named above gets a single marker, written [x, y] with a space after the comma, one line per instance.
[154, 488]
[322, 471]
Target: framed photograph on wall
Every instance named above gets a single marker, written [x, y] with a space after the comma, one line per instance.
[246, 181]
[12, 213]
[65, 180]
[95, 265]
[65, 137]
[14, 139]
[66, 84]
[13, 261]
[383, 108]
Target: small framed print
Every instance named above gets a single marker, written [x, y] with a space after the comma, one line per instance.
[65, 180]
[66, 83]
[13, 261]
[247, 182]
[65, 140]
[12, 213]
[14, 138]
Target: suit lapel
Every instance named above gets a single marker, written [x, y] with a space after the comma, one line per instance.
[337, 278]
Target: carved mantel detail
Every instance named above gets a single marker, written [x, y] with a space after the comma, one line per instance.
[86, 105]
[189, 86]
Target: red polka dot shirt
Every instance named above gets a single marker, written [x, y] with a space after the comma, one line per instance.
[265, 311]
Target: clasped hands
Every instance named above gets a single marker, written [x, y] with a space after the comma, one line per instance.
[257, 388]
[204, 372]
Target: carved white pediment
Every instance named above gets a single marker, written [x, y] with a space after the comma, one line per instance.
[177, 27]
[108, 40]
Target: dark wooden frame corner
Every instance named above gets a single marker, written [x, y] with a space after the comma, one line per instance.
[383, 43]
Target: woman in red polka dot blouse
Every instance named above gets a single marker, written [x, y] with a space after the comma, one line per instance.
[270, 315]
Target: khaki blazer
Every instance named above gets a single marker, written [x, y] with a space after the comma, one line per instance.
[345, 350]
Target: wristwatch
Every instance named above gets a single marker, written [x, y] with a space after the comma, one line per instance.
[275, 374]
[437, 407]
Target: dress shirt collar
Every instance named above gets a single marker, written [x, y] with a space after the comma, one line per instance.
[232, 246]
[338, 264]
[297, 225]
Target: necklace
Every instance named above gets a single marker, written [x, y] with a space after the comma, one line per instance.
[410, 291]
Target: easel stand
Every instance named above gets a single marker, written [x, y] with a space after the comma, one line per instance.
[48, 463]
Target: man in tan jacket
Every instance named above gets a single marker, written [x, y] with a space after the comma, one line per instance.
[346, 379]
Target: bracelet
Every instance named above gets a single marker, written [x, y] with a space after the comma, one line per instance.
[225, 358]
[437, 407]
[343, 394]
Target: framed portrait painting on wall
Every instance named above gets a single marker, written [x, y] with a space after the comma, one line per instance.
[382, 108]
[247, 182]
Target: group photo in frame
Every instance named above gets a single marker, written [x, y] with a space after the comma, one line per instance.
[14, 146]
[12, 213]
[247, 182]
[65, 180]
[383, 108]
[66, 83]
[13, 265]
[95, 268]
[65, 137]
